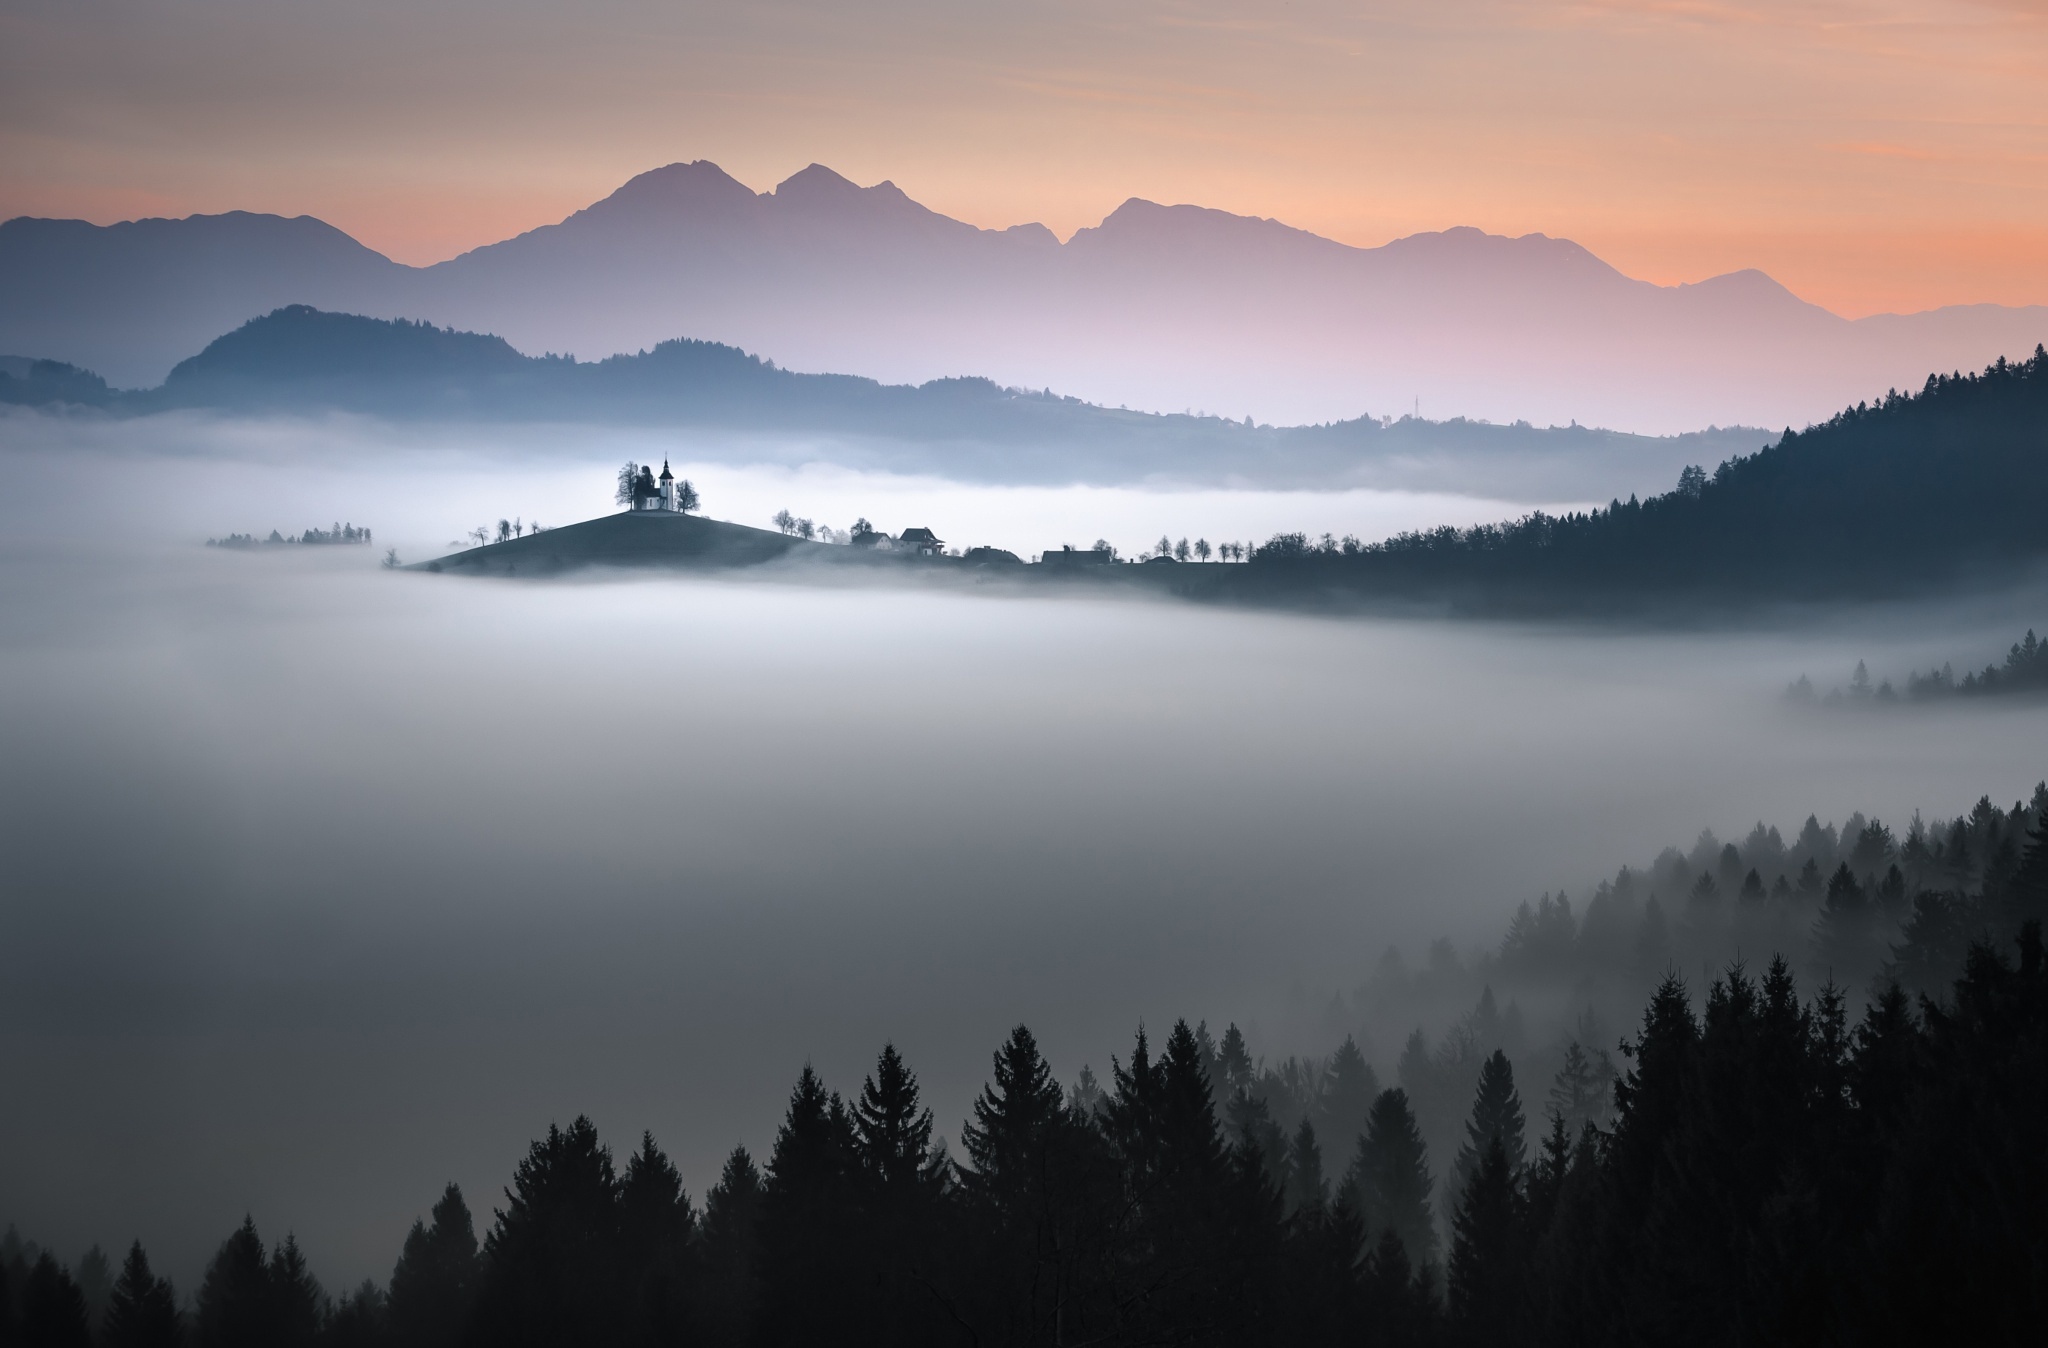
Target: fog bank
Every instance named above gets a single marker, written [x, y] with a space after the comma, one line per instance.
[325, 885]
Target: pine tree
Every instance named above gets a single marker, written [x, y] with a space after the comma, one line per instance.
[892, 1132]
[808, 1223]
[551, 1262]
[1038, 1198]
[53, 1312]
[902, 1179]
[1392, 1178]
[1307, 1190]
[1162, 1125]
[361, 1319]
[1397, 1300]
[732, 1216]
[1489, 1252]
[234, 1306]
[1349, 1088]
[298, 1308]
[1496, 1116]
[657, 1229]
[143, 1309]
[1233, 1065]
[434, 1284]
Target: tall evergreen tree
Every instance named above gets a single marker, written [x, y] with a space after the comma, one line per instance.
[657, 1229]
[234, 1305]
[808, 1225]
[1398, 1300]
[1307, 1190]
[551, 1262]
[298, 1307]
[901, 1182]
[434, 1284]
[1489, 1252]
[1496, 1116]
[1392, 1178]
[1349, 1088]
[53, 1312]
[732, 1218]
[142, 1311]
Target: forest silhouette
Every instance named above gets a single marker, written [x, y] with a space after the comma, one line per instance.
[1765, 1165]
[1911, 493]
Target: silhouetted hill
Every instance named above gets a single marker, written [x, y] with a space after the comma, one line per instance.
[130, 299]
[303, 359]
[1159, 306]
[1912, 493]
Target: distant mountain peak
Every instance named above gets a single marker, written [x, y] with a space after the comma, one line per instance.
[670, 188]
[816, 183]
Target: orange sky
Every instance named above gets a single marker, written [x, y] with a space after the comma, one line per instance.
[1872, 156]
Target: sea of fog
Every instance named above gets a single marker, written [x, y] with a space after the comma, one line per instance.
[322, 885]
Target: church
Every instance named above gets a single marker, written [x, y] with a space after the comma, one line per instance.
[664, 493]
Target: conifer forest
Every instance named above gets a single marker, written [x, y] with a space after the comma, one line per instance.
[1839, 1142]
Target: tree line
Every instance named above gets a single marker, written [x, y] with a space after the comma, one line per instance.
[1750, 1164]
[1914, 491]
[1774, 1172]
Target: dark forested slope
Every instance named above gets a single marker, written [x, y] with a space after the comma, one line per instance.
[1771, 1163]
[1914, 490]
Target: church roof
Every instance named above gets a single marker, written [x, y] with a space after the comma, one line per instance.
[666, 475]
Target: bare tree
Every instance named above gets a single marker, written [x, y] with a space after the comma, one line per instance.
[1180, 551]
[805, 529]
[784, 521]
[504, 530]
[628, 475]
[1202, 549]
[686, 497]
[391, 559]
[518, 528]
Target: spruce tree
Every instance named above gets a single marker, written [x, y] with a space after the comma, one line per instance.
[53, 1312]
[1393, 1180]
[901, 1182]
[298, 1308]
[1496, 1116]
[1349, 1088]
[551, 1262]
[1396, 1299]
[1307, 1190]
[142, 1312]
[435, 1281]
[361, 1319]
[234, 1305]
[732, 1216]
[808, 1228]
[657, 1228]
[1489, 1252]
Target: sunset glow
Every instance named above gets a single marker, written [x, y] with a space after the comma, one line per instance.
[1871, 156]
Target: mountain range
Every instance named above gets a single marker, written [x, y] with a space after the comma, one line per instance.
[1163, 308]
[737, 407]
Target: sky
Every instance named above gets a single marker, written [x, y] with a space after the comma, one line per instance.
[1873, 155]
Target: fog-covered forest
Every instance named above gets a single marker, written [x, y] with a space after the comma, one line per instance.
[1907, 494]
[1829, 1132]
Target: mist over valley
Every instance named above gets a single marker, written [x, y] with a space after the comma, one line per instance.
[358, 878]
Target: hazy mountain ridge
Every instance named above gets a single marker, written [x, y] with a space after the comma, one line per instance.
[1160, 307]
[299, 360]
